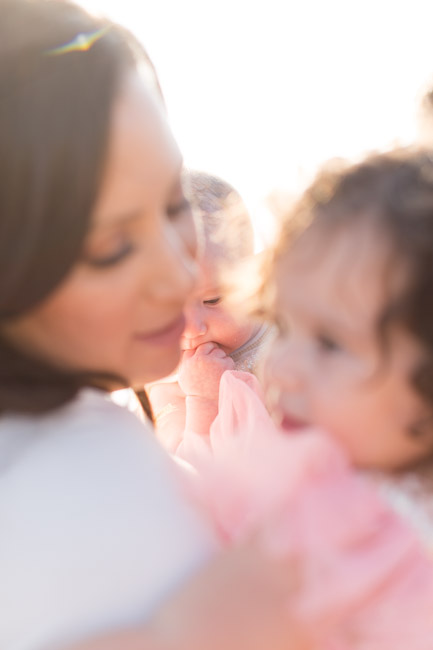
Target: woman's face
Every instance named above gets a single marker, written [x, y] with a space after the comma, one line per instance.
[120, 308]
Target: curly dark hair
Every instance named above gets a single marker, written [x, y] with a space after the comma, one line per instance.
[55, 107]
[394, 194]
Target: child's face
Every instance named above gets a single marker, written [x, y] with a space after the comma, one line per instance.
[327, 367]
[208, 319]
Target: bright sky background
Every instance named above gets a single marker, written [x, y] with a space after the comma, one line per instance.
[262, 92]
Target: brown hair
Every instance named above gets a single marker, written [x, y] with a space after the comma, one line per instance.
[394, 194]
[55, 104]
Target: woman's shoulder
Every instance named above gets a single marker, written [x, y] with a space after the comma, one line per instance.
[92, 508]
[94, 459]
[91, 415]
[89, 444]
[91, 404]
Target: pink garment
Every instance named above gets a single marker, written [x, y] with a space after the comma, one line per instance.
[366, 580]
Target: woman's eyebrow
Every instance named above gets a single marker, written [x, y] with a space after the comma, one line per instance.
[102, 222]
[120, 219]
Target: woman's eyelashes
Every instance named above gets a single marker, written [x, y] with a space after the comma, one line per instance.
[176, 209]
[111, 259]
[123, 250]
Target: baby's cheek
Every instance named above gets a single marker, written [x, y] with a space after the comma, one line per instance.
[234, 335]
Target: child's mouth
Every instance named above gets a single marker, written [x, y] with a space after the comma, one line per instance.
[192, 344]
[292, 424]
[186, 344]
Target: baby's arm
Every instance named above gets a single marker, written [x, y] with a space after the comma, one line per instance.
[199, 378]
[168, 405]
[191, 403]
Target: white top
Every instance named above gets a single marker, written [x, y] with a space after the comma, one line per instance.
[94, 528]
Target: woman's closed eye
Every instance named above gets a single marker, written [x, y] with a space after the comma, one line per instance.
[110, 259]
[176, 209]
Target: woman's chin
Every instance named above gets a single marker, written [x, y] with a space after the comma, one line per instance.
[158, 370]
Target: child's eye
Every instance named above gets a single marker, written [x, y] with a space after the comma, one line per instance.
[109, 260]
[178, 208]
[328, 344]
[212, 301]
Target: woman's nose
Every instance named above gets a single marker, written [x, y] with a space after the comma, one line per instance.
[174, 272]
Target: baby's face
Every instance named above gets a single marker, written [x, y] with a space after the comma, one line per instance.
[207, 317]
[327, 367]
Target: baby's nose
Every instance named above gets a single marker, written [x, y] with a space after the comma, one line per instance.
[195, 325]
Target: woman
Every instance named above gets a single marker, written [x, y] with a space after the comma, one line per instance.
[97, 259]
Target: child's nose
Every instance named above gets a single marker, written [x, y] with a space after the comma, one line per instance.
[195, 325]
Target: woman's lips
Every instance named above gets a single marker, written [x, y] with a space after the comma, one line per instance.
[167, 335]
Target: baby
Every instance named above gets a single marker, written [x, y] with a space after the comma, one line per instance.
[346, 481]
[214, 338]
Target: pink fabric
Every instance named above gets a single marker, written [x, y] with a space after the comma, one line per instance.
[366, 581]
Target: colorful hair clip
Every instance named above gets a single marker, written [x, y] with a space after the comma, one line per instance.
[80, 43]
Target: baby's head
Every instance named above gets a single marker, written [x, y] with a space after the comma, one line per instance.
[425, 119]
[227, 237]
[353, 283]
